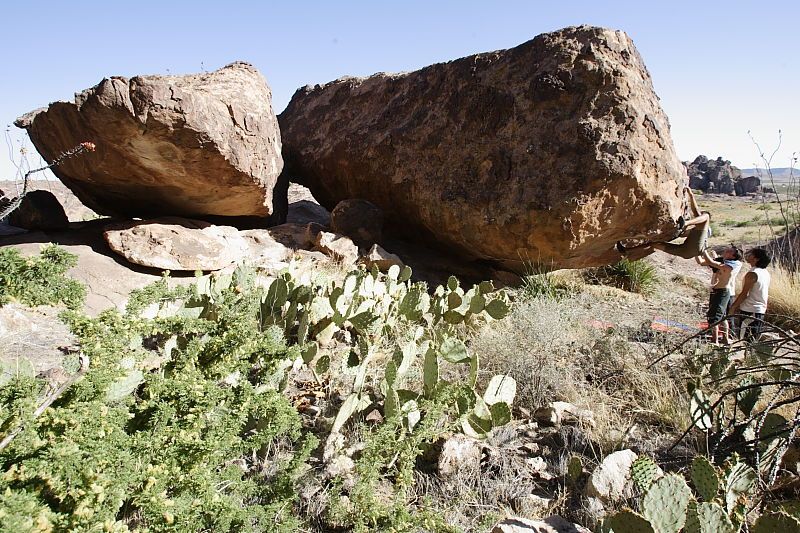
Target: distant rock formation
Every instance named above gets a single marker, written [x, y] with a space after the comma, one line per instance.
[747, 185]
[546, 153]
[202, 144]
[718, 176]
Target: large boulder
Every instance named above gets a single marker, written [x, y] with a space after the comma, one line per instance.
[546, 153]
[202, 144]
[39, 210]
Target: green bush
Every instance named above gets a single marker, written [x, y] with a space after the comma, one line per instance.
[40, 280]
[180, 423]
[186, 447]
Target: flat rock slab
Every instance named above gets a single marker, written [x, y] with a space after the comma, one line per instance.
[172, 243]
[546, 153]
[201, 144]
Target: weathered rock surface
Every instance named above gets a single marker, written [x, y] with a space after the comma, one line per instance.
[39, 210]
[549, 152]
[202, 144]
[553, 524]
[173, 243]
[611, 481]
[360, 220]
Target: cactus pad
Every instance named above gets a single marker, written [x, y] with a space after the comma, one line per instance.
[644, 472]
[776, 523]
[705, 478]
[628, 522]
[666, 502]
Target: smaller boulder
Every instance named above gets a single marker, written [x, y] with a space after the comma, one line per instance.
[39, 210]
[174, 243]
[338, 247]
[313, 230]
[611, 481]
[459, 453]
[553, 524]
[747, 185]
[382, 259]
[360, 220]
[292, 235]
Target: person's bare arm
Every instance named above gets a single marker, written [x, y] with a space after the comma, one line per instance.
[749, 281]
[692, 203]
[705, 259]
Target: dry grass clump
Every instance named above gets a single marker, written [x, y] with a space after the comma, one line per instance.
[550, 348]
[784, 293]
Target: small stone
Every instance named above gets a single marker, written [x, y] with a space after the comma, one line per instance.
[382, 259]
[459, 452]
[374, 417]
[553, 524]
[611, 481]
[558, 413]
[337, 247]
[531, 448]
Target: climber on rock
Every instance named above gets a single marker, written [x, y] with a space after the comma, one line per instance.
[695, 231]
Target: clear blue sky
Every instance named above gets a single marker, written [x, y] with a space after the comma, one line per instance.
[720, 68]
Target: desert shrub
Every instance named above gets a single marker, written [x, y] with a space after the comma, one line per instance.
[180, 422]
[554, 353]
[169, 429]
[40, 280]
[633, 276]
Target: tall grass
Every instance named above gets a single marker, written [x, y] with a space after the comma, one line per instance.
[784, 293]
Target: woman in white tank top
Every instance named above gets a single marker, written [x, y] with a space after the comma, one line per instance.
[752, 301]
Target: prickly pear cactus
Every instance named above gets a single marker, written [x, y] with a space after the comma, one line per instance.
[707, 517]
[666, 502]
[740, 481]
[705, 478]
[627, 522]
[574, 470]
[776, 523]
[644, 472]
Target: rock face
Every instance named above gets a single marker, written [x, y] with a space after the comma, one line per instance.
[202, 144]
[712, 175]
[549, 152]
[39, 210]
[172, 243]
